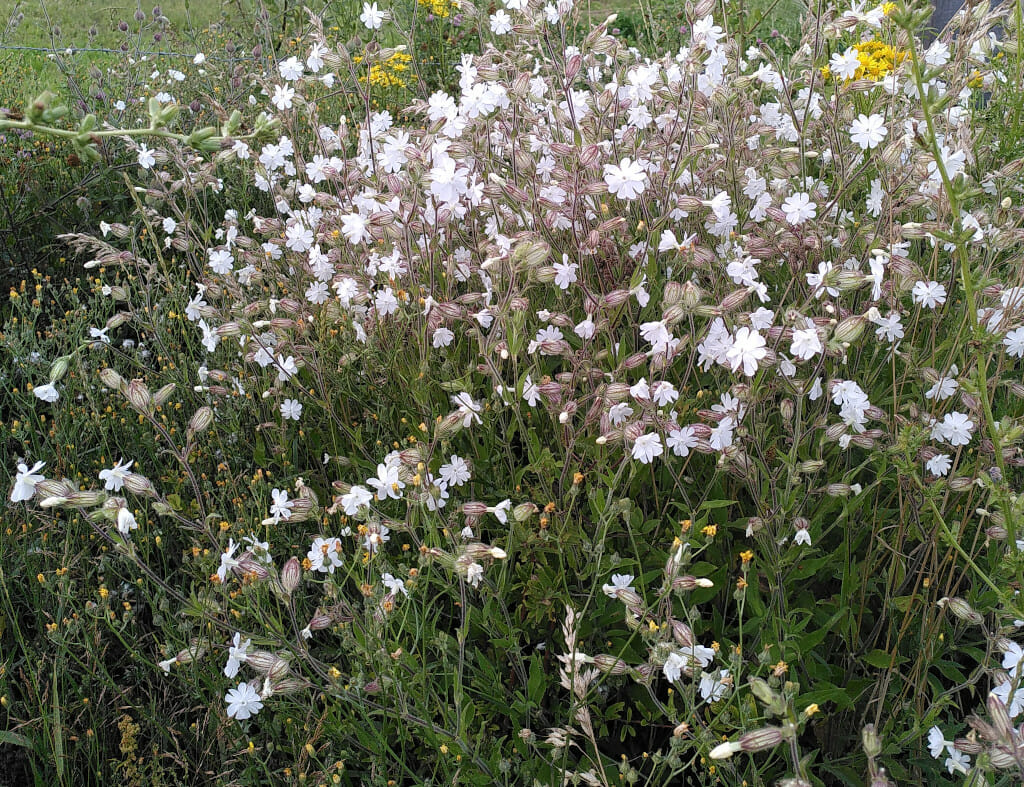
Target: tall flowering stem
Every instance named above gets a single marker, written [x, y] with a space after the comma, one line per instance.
[967, 279]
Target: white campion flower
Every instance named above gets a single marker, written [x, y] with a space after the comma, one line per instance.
[713, 686]
[372, 17]
[356, 498]
[619, 582]
[237, 654]
[955, 429]
[799, 208]
[944, 387]
[48, 392]
[291, 409]
[243, 701]
[442, 337]
[565, 272]
[290, 70]
[1014, 342]
[394, 585]
[146, 157]
[748, 348]
[501, 23]
[939, 465]
[626, 180]
[387, 482]
[282, 98]
[455, 472]
[868, 131]
[126, 522]
[114, 477]
[468, 407]
[929, 294]
[281, 507]
[25, 481]
[844, 65]
[646, 447]
[806, 343]
[325, 554]
[681, 441]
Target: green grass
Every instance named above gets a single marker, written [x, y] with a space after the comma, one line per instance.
[95, 24]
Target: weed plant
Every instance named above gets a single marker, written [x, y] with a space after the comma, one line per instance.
[598, 419]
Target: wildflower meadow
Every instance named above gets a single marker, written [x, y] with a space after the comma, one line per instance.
[430, 392]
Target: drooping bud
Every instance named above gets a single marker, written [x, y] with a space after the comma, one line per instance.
[962, 610]
[139, 397]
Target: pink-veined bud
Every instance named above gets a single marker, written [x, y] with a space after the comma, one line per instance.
[291, 575]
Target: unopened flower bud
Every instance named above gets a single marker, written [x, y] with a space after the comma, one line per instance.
[291, 575]
[614, 298]
[870, 740]
[262, 660]
[59, 368]
[161, 396]
[201, 420]
[139, 485]
[962, 610]
[850, 329]
[138, 396]
[111, 378]
[838, 490]
[688, 582]
[960, 483]
[524, 511]
[610, 664]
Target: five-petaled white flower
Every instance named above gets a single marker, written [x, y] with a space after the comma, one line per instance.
[468, 408]
[748, 347]
[243, 701]
[647, 446]
[236, 655]
[281, 508]
[799, 208]
[868, 132]
[146, 157]
[48, 392]
[929, 294]
[626, 180]
[955, 429]
[325, 554]
[25, 482]
[113, 477]
[291, 409]
[372, 17]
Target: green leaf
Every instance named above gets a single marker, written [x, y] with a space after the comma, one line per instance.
[882, 659]
[14, 739]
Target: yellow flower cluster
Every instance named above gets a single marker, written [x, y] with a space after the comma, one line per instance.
[440, 8]
[877, 60]
[389, 73]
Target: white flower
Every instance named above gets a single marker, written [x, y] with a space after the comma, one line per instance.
[113, 477]
[48, 392]
[281, 508]
[474, 573]
[944, 387]
[372, 17]
[356, 498]
[290, 70]
[442, 337]
[799, 208]
[806, 343]
[936, 742]
[1013, 656]
[939, 465]
[929, 294]
[455, 472]
[469, 408]
[845, 65]
[243, 701]
[282, 98]
[25, 482]
[627, 180]
[146, 158]
[868, 132]
[291, 409]
[565, 273]
[126, 521]
[387, 483]
[619, 582]
[674, 666]
[1014, 342]
[955, 429]
[802, 536]
[713, 686]
[957, 761]
[747, 349]
[680, 441]
[325, 554]
[236, 655]
[394, 585]
[647, 446]
[501, 23]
